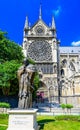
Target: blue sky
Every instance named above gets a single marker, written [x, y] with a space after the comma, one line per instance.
[66, 14]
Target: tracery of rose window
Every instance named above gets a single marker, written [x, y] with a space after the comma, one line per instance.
[40, 51]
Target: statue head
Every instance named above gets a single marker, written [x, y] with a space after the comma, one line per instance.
[31, 72]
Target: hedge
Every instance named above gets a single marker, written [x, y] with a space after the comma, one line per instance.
[4, 105]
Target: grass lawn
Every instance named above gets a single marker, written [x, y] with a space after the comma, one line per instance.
[59, 122]
[49, 122]
[3, 121]
[3, 127]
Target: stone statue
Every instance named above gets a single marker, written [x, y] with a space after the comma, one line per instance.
[26, 75]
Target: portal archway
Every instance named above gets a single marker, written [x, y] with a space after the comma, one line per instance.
[42, 93]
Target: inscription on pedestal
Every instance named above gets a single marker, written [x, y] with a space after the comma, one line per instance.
[19, 120]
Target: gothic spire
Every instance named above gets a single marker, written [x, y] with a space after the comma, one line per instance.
[40, 12]
[26, 23]
[53, 23]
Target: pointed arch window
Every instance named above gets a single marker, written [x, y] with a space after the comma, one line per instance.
[62, 72]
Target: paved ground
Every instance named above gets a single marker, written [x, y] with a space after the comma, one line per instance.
[43, 108]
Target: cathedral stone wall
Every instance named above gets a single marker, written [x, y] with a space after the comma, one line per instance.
[60, 66]
[70, 75]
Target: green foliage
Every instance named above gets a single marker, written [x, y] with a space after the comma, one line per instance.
[3, 127]
[3, 121]
[58, 122]
[4, 116]
[58, 118]
[36, 84]
[3, 35]
[8, 75]
[4, 105]
[36, 80]
[11, 57]
[68, 106]
[63, 106]
[67, 117]
[31, 61]
[49, 122]
[9, 50]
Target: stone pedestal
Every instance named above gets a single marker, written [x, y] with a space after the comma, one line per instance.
[22, 120]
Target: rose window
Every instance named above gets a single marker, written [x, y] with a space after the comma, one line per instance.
[40, 51]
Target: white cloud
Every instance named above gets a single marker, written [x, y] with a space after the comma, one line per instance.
[75, 43]
[57, 11]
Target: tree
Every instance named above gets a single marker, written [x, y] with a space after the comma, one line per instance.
[69, 107]
[9, 50]
[8, 76]
[36, 84]
[11, 57]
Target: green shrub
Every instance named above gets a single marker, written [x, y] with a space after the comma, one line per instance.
[68, 117]
[69, 106]
[63, 106]
[4, 105]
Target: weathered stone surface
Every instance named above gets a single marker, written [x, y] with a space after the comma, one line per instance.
[25, 75]
[22, 120]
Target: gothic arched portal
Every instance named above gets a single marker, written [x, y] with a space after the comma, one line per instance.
[42, 93]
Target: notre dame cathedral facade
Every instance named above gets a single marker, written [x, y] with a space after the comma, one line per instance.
[59, 66]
